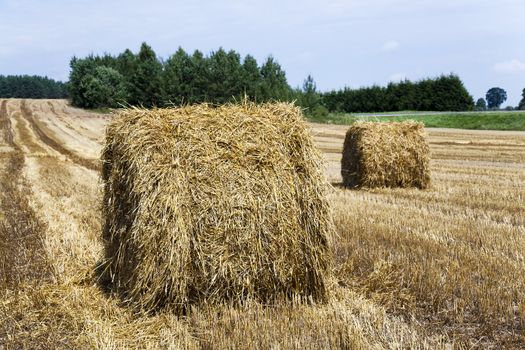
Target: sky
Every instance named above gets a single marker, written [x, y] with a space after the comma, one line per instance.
[340, 43]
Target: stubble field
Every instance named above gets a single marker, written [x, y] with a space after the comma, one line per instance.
[440, 268]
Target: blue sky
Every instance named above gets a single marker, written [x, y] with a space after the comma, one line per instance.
[341, 43]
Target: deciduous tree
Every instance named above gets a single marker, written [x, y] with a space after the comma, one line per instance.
[481, 104]
[104, 88]
[495, 97]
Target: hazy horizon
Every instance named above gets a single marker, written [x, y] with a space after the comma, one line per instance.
[341, 43]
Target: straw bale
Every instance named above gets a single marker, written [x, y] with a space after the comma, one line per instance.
[386, 154]
[214, 204]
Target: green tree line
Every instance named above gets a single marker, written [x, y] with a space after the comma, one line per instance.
[444, 93]
[26, 86]
[143, 79]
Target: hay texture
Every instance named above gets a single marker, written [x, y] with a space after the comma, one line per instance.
[391, 154]
[214, 204]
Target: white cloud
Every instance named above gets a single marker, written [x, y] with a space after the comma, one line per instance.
[512, 66]
[397, 77]
[390, 45]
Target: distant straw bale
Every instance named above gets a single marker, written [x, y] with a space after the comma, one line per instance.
[214, 204]
[392, 154]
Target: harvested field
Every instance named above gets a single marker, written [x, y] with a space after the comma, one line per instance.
[439, 268]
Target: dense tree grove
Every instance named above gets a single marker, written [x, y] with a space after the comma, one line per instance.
[142, 79]
[445, 93]
[26, 86]
[222, 76]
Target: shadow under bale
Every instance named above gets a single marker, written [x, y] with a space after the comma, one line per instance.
[212, 205]
[386, 154]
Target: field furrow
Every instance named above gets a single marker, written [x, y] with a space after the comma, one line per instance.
[23, 258]
[51, 142]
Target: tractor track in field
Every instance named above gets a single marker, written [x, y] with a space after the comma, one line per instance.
[5, 124]
[87, 163]
[52, 108]
[23, 257]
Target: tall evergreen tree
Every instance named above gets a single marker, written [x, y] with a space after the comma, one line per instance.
[178, 78]
[408, 95]
[217, 70]
[273, 84]
[234, 75]
[310, 99]
[424, 98]
[251, 77]
[225, 74]
[126, 63]
[146, 81]
[310, 96]
[200, 80]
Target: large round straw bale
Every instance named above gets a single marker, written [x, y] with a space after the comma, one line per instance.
[214, 204]
[386, 154]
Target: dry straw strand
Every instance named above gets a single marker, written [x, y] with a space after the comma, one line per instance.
[386, 154]
[214, 204]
